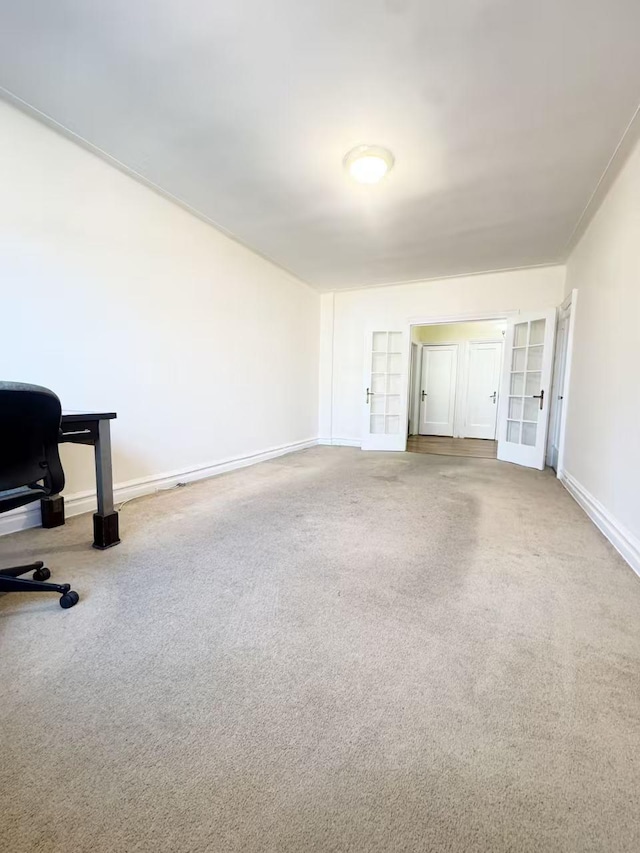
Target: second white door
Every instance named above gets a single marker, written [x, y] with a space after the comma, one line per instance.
[524, 408]
[438, 389]
[483, 381]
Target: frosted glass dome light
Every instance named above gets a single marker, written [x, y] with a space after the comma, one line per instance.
[368, 164]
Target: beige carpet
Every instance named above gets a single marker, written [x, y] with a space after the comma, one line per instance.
[331, 651]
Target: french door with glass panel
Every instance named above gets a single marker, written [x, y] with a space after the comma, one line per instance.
[385, 391]
[525, 389]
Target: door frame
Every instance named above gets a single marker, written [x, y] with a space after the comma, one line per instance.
[443, 320]
[569, 302]
[415, 376]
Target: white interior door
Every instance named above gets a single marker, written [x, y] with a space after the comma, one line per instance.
[526, 382]
[557, 388]
[484, 361]
[414, 390]
[438, 391]
[384, 425]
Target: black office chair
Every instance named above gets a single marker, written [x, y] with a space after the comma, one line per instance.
[30, 469]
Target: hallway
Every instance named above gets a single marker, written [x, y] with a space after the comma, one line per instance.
[445, 446]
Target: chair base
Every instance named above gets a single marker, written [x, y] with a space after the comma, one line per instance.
[105, 530]
[11, 582]
[52, 511]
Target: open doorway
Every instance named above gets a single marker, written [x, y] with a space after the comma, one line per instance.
[454, 388]
[521, 399]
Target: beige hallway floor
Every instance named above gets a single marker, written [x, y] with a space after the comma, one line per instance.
[444, 446]
[331, 651]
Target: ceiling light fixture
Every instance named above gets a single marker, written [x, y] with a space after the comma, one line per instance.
[368, 164]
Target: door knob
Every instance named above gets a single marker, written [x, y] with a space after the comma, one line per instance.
[370, 394]
[540, 397]
[493, 396]
[424, 394]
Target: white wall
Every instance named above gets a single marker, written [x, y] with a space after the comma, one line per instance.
[451, 333]
[602, 451]
[394, 307]
[327, 301]
[118, 299]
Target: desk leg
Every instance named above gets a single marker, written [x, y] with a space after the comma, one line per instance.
[52, 511]
[105, 521]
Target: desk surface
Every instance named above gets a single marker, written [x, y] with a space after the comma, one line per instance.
[69, 417]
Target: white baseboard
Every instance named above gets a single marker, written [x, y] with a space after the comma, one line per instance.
[81, 502]
[625, 543]
[340, 442]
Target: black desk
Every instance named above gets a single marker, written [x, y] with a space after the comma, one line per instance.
[89, 428]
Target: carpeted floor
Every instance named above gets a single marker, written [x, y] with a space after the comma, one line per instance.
[331, 651]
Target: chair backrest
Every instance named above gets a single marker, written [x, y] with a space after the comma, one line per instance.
[29, 428]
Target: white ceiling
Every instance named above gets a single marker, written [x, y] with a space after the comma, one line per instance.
[502, 116]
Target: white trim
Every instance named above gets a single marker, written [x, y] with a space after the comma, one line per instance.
[412, 281]
[81, 502]
[622, 539]
[462, 318]
[340, 442]
[566, 302]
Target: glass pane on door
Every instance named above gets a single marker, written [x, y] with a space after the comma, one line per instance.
[379, 342]
[523, 410]
[529, 434]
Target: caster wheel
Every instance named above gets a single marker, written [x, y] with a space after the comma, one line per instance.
[69, 599]
[42, 574]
